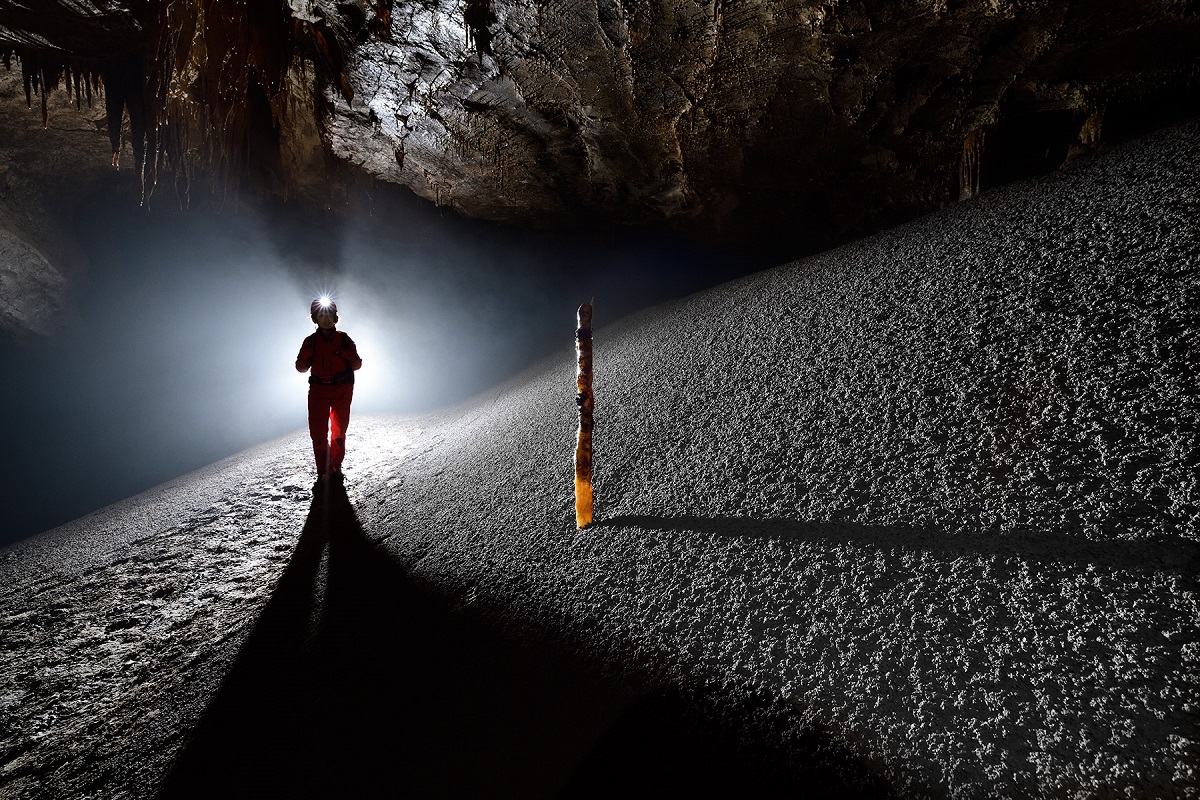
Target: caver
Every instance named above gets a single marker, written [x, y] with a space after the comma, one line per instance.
[331, 357]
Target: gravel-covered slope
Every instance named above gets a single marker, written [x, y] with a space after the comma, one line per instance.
[936, 489]
[928, 500]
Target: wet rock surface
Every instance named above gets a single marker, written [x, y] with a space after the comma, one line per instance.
[920, 511]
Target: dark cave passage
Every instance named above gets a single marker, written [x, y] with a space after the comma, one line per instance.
[1035, 140]
[1026, 145]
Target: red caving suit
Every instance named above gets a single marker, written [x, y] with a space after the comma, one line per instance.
[333, 357]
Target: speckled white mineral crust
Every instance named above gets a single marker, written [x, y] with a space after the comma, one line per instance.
[940, 488]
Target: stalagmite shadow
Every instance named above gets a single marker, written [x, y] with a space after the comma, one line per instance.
[1163, 553]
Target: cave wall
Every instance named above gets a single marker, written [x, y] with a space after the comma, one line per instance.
[43, 170]
[805, 121]
[738, 119]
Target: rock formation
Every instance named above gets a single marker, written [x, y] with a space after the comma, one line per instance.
[747, 118]
[730, 119]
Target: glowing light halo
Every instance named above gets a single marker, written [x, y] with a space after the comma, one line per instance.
[325, 296]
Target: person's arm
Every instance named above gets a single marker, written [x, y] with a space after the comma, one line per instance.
[349, 353]
[305, 356]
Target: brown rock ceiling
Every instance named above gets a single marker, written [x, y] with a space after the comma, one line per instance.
[730, 119]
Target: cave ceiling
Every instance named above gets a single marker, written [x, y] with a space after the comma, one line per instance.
[727, 119]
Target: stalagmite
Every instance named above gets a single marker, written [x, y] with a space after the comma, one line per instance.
[587, 403]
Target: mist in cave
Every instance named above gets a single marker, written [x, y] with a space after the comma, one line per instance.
[179, 344]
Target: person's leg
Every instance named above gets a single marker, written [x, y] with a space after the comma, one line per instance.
[339, 420]
[318, 426]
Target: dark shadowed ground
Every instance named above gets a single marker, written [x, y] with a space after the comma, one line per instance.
[356, 683]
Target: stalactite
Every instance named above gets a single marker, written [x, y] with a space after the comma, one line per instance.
[28, 67]
[970, 171]
[45, 110]
[327, 56]
[202, 82]
[42, 74]
[124, 92]
[1090, 131]
[212, 112]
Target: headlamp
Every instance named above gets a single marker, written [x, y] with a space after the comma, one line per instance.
[323, 305]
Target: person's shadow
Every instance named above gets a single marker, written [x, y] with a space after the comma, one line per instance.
[357, 683]
[262, 730]
[322, 699]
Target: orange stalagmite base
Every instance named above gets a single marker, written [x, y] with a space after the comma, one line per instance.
[587, 403]
[583, 502]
